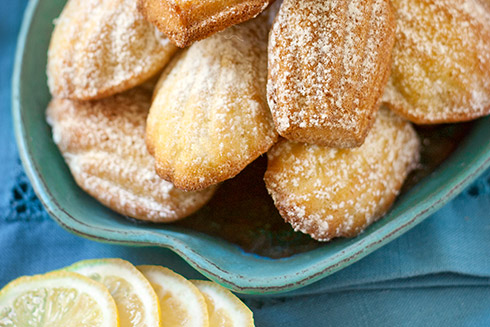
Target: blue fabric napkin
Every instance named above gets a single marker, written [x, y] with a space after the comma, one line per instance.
[438, 274]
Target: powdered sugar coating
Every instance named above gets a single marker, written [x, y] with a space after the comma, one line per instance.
[328, 193]
[102, 47]
[187, 21]
[441, 61]
[209, 118]
[103, 144]
[328, 65]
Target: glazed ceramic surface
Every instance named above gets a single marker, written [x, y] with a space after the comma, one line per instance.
[271, 258]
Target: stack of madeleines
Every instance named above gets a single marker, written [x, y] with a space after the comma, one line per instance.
[150, 130]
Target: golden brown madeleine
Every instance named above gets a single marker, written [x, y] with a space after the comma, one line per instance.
[102, 47]
[209, 117]
[441, 61]
[329, 62]
[103, 143]
[186, 21]
[328, 193]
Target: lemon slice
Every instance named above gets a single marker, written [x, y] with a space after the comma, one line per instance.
[181, 302]
[136, 300]
[57, 299]
[224, 308]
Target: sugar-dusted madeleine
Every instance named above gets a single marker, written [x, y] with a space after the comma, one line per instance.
[441, 61]
[186, 21]
[329, 62]
[209, 117]
[103, 143]
[103, 47]
[328, 193]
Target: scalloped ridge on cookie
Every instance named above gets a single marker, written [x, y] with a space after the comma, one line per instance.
[209, 118]
[329, 62]
[103, 143]
[103, 47]
[328, 193]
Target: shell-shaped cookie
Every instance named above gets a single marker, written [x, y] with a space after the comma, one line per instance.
[441, 61]
[103, 47]
[209, 117]
[330, 193]
[103, 143]
[187, 21]
[329, 62]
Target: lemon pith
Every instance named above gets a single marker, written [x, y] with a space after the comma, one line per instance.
[136, 300]
[181, 303]
[57, 299]
[225, 309]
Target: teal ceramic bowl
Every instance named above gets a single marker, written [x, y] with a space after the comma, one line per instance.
[237, 262]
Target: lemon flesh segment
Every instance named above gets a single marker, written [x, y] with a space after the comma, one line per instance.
[135, 298]
[181, 303]
[224, 308]
[57, 299]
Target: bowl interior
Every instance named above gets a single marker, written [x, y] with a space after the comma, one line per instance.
[218, 259]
